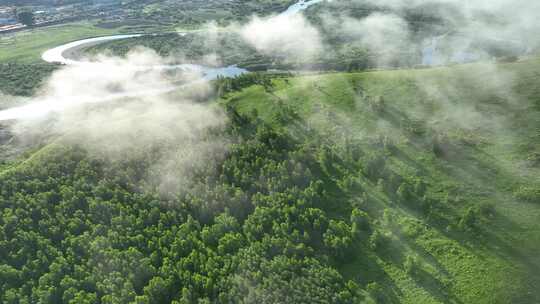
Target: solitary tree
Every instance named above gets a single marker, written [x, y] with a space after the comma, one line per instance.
[26, 18]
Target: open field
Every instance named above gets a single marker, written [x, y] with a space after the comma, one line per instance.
[27, 46]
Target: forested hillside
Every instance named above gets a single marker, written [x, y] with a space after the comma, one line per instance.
[412, 186]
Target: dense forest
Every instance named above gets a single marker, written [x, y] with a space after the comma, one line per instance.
[341, 168]
[84, 231]
[231, 49]
[23, 79]
[303, 208]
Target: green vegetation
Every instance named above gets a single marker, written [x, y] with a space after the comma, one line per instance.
[231, 49]
[338, 188]
[342, 48]
[26, 18]
[23, 79]
[146, 15]
[423, 19]
[27, 46]
[194, 13]
[453, 202]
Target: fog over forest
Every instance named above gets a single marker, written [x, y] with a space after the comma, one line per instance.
[269, 151]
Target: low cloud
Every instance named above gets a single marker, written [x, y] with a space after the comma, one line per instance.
[119, 109]
[291, 36]
[385, 35]
[480, 27]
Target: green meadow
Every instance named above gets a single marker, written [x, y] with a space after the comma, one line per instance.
[470, 134]
[28, 45]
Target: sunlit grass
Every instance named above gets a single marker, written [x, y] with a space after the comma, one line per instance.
[489, 163]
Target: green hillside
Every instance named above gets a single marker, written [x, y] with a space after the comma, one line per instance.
[406, 186]
[456, 185]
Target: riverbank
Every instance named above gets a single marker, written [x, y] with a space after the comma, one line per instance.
[27, 46]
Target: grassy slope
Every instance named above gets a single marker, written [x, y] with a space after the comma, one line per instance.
[492, 112]
[502, 269]
[27, 46]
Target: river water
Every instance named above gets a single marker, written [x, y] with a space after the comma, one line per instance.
[57, 54]
[300, 6]
[64, 54]
[431, 53]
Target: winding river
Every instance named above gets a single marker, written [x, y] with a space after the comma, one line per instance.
[64, 54]
[67, 54]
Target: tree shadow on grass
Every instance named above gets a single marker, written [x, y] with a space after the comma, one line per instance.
[435, 287]
[369, 271]
[528, 262]
[427, 257]
[393, 253]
